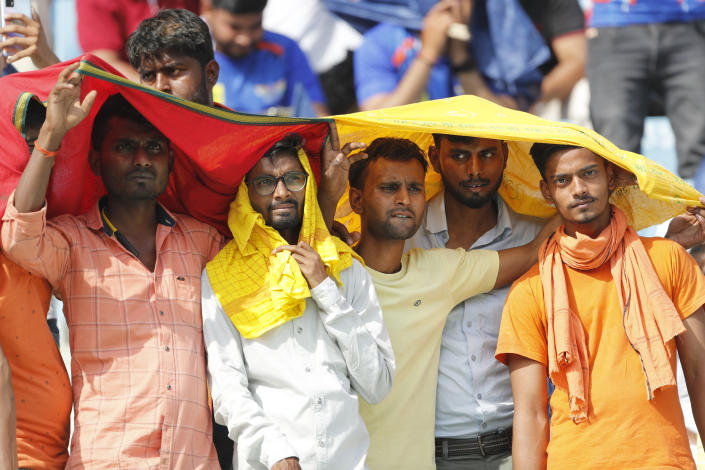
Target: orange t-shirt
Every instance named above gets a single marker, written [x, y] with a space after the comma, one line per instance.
[624, 429]
[42, 389]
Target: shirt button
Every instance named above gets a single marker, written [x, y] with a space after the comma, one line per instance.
[168, 387]
[472, 358]
[308, 369]
[166, 348]
[469, 324]
[321, 444]
[299, 330]
[161, 312]
[479, 396]
[319, 401]
[484, 425]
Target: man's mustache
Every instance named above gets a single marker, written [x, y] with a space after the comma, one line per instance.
[277, 204]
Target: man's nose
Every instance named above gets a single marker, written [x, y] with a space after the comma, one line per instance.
[579, 186]
[402, 198]
[280, 190]
[141, 157]
[243, 40]
[163, 83]
[473, 166]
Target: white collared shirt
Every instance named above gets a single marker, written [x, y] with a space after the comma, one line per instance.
[474, 395]
[293, 392]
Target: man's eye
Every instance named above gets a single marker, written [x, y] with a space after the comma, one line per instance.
[123, 147]
[154, 147]
[459, 156]
[415, 188]
[147, 77]
[389, 188]
[590, 172]
[489, 154]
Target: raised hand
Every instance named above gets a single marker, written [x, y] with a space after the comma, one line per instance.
[309, 262]
[688, 229]
[335, 164]
[31, 43]
[64, 107]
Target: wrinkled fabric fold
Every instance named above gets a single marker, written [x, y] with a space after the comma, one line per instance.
[258, 290]
[650, 319]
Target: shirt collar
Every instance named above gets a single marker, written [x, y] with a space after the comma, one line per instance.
[437, 224]
[95, 221]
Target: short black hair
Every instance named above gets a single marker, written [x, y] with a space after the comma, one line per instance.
[288, 145]
[115, 106]
[541, 152]
[172, 31]
[35, 115]
[389, 148]
[240, 7]
[451, 137]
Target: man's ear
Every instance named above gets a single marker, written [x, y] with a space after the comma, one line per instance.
[434, 155]
[212, 72]
[545, 192]
[355, 200]
[94, 161]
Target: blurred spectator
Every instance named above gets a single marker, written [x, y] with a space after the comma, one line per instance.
[28, 40]
[639, 47]
[505, 60]
[327, 41]
[104, 26]
[260, 70]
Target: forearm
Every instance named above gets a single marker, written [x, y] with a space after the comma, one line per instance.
[409, 89]
[560, 81]
[8, 443]
[530, 440]
[691, 346]
[32, 186]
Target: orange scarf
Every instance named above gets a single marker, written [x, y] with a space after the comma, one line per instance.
[650, 319]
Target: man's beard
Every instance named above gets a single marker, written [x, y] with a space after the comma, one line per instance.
[390, 231]
[472, 201]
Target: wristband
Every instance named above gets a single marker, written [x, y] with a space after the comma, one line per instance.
[45, 152]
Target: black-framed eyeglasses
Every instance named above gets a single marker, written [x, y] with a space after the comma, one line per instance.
[266, 184]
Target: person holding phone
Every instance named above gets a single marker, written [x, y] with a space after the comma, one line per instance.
[23, 35]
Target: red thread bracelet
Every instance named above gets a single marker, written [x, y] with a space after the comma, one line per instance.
[45, 152]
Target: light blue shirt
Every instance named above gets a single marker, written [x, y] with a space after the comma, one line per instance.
[474, 395]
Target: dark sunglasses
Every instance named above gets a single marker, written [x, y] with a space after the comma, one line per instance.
[266, 184]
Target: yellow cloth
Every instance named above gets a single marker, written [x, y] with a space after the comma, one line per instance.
[659, 195]
[260, 291]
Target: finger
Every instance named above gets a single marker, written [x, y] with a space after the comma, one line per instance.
[701, 200]
[283, 248]
[22, 53]
[35, 16]
[88, 102]
[66, 73]
[350, 146]
[333, 136]
[357, 157]
[16, 16]
[15, 29]
[17, 41]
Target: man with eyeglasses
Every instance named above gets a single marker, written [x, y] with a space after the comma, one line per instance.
[292, 326]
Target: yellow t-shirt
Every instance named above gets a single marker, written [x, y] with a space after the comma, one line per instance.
[624, 429]
[415, 304]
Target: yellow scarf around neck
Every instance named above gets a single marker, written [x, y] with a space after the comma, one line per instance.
[260, 291]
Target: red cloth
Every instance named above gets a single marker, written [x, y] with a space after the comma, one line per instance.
[213, 147]
[106, 24]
